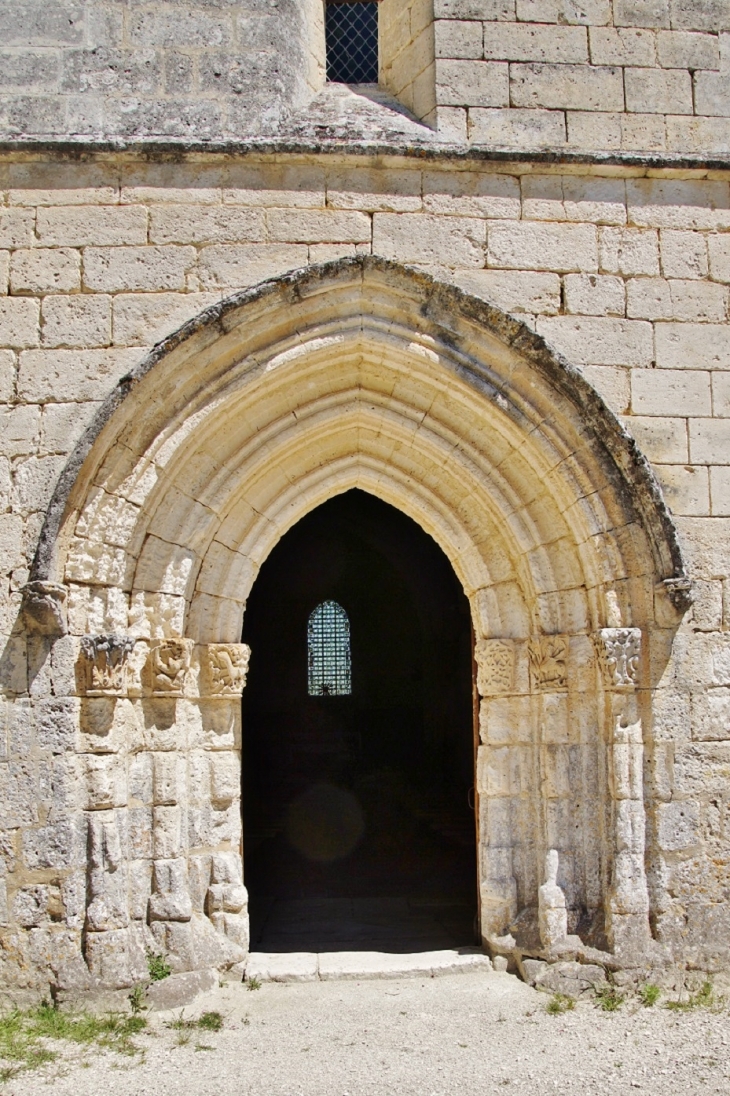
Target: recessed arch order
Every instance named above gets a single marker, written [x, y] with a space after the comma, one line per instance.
[361, 373]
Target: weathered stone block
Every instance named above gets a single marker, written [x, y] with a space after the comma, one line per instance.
[167, 832]
[115, 269]
[83, 321]
[621, 46]
[568, 87]
[594, 295]
[658, 91]
[692, 346]
[19, 322]
[679, 824]
[45, 270]
[629, 251]
[600, 340]
[105, 779]
[170, 900]
[91, 225]
[542, 246]
[513, 128]
[525, 42]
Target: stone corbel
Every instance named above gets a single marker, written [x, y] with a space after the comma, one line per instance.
[43, 608]
[167, 668]
[679, 591]
[619, 654]
[495, 659]
[223, 669]
[104, 660]
[672, 598]
[548, 657]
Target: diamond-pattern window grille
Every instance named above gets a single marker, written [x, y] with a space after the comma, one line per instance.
[328, 650]
[352, 43]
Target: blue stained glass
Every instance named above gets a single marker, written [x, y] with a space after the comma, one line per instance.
[328, 649]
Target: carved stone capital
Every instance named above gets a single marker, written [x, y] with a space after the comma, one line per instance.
[223, 668]
[44, 608]
[495, 659]
[167, 666]
[619, 652]
[548, 657]
[104, 664]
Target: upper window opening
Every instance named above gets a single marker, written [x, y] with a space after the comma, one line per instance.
[328, 649]
[352, 42]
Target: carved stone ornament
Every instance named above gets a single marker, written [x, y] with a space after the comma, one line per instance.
[548, 656]
[168, 665]
[225, 666]
[104, 661]
[495, 659]
[680, 593]
[44, 608]
[619, 651]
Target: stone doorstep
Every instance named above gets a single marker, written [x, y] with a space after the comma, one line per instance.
[354, 965]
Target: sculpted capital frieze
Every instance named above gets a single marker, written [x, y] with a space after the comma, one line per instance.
[548, 662]
[223, 668]
[619, 654]
[104, 664]
[495, 659]
[168, 665]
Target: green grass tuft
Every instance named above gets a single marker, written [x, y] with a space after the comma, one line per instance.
[23, 1035]
[703, 998]
[559, 1003]
[608, 997]
[649, 994]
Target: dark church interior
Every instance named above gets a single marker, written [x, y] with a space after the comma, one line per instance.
[358, 809]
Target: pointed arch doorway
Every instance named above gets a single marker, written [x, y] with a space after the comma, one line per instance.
[359, 827]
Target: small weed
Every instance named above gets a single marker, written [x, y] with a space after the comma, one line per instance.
[649, 994]
[203, 1046]
[136, 1000]
[210, 1021]
[182, 1038]
[559, 1003]
[253, 983]
[608, 997]
[158, 966]
[703, 998]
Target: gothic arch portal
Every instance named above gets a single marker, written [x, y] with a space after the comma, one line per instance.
[359, 373]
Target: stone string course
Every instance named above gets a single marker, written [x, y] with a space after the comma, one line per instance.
[626, 273]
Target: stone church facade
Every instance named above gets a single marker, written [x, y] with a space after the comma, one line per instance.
[491, 291]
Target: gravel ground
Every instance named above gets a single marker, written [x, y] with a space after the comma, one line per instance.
[465, 1033]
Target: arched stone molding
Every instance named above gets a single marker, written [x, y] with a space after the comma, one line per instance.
[362, 374]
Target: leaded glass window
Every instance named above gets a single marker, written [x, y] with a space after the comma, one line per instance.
[328, 650]
[352, 42]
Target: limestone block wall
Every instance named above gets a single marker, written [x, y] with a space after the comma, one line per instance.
[197, 71]
[626, 272]
[527, 74]
[609, 74]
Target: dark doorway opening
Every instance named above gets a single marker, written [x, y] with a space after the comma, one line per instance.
[359, 828]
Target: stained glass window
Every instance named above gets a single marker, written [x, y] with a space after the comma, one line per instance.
[352, 43]
[328, 649]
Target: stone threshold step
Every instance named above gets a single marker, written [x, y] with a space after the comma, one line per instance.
[307, 966]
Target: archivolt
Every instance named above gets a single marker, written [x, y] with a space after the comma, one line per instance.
[357, 373]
